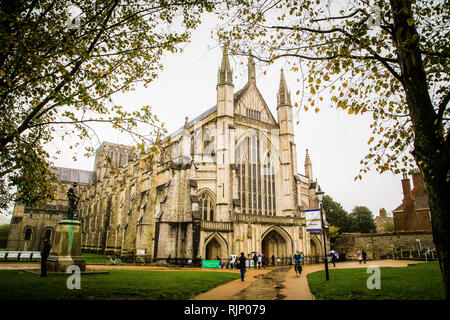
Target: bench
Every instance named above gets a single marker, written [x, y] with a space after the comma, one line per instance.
[25, 255]
[36, 255]
[13, 254]
[3, 255]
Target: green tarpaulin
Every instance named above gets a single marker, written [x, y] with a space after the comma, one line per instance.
[210, 264]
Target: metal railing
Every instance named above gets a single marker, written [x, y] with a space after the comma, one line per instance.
[415, 254]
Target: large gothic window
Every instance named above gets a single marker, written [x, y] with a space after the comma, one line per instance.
[207, 205]
[256, 177]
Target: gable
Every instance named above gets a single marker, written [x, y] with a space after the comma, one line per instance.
[248, 102]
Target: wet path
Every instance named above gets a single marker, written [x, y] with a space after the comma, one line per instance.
[265, 287]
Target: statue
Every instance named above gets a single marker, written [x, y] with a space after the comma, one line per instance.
[66, 249]
[73, 202]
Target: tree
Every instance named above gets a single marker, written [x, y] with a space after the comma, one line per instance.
[60, 64]
[333, 233]
[389, 227]
[361, 220]
[336, 215]
[4, 229]
[389, 58]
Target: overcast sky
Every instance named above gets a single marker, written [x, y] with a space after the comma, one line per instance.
[336, 141]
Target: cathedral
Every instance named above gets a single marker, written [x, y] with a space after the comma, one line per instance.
[226, 182]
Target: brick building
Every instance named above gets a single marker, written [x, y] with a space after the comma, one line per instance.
[414, 212]
[383, 222]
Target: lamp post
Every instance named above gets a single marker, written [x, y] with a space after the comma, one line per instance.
[319, 195]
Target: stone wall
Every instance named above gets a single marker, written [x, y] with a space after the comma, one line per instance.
[381, 244]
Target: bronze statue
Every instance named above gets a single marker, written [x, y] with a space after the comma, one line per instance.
[73, 202]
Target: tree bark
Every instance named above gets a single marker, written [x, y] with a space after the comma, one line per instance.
[431, 148]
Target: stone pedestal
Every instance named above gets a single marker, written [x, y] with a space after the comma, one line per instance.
[66, 249]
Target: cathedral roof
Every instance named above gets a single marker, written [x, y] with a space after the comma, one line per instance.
[74, 175]
[237, 96]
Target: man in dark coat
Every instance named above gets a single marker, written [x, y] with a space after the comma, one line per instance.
[364, 255]
[242, 266]
[255, 261]
[45, 252]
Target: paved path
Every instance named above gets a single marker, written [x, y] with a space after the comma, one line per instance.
[281, 283]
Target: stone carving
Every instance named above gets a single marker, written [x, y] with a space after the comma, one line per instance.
[73, 202]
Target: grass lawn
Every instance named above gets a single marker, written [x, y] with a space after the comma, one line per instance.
[95, 258]
[422, 281]
[153, 285]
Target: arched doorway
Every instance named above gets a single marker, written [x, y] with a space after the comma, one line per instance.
[315, 250]
[213, 250]
[274, 244]
[28, 233]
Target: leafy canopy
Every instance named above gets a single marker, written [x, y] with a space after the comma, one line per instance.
[60, 64]
[348, 57]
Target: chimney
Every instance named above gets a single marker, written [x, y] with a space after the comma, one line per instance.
[409, 214]
[418, 185]
[406, 185]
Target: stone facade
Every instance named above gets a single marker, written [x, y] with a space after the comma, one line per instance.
[382, 244]
[226, 182]
[414, 212]
[29, 225]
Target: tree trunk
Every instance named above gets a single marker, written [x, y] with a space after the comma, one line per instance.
[432, 151]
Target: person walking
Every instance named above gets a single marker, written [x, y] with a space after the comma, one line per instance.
[232, 262]
[45, 252]
[255, 261]
[359, 256]
[334, 257]
[259, 262]
[241, 262]
[364, 256]
[273, 260]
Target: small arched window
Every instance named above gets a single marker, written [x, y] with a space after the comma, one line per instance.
[207, 207]
[28, 233]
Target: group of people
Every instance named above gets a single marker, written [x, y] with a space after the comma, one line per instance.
[362, 256]
[259, 261]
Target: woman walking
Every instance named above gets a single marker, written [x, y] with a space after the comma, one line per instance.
[359, 255]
